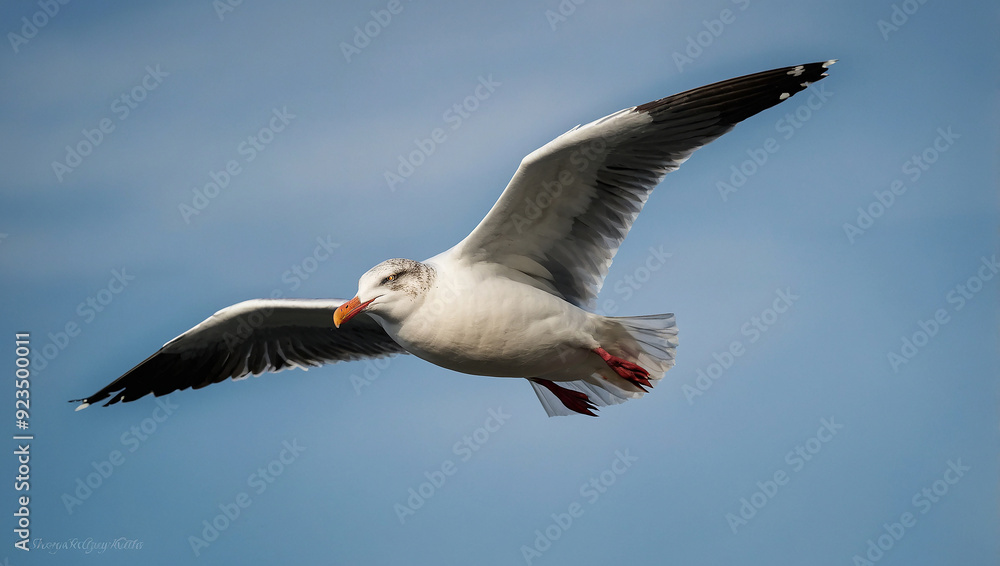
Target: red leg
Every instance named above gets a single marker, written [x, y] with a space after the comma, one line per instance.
[574, 400]
[627, 370]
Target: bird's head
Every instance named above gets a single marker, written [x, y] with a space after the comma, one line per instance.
[391, 291]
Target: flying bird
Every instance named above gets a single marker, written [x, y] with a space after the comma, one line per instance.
[515, 297]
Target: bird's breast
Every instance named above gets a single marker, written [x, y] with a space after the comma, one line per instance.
[496, 327]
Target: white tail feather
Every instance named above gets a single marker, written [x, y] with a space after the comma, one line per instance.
[649, 341]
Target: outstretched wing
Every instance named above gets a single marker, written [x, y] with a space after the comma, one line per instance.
[251, 337]
[571, 202]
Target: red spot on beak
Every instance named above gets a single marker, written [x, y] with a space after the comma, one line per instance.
[347, 310]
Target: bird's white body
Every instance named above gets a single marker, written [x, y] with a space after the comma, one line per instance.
[485, 318]
[472, 321]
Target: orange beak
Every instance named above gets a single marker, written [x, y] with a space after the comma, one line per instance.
[347, 311]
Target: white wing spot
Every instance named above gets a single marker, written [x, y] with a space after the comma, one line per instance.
[828, 63]
[805, 84]
[797, 71]
[783, 96]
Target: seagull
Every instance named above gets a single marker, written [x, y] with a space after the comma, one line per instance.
[514, 298]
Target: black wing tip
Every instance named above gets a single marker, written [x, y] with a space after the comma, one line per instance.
[98, 397]
[786, 81]
[812, 71]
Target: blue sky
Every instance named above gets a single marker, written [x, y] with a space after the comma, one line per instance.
[814, 445]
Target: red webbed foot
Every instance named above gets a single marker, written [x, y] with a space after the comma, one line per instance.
[573, 400]
[629, 371]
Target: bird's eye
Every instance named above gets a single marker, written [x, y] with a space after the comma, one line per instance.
[389, 278]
